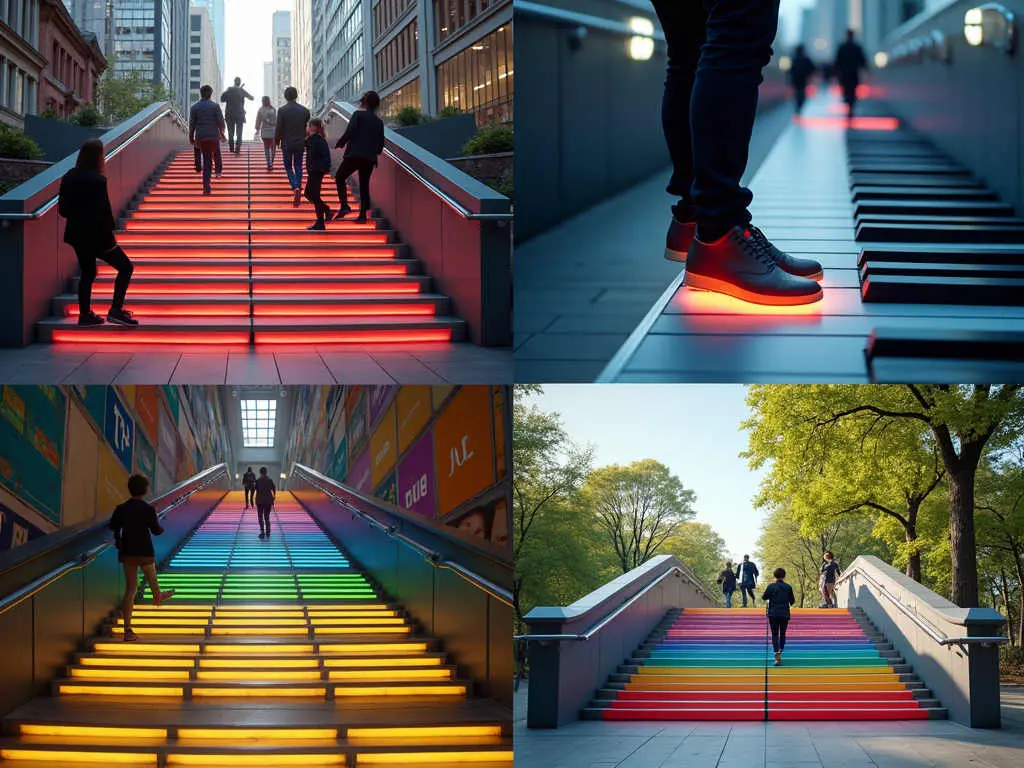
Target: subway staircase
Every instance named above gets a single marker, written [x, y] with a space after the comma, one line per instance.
[239, 267]
[717, 664]
[273, 652]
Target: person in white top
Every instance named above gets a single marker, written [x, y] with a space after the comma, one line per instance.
[266, 125]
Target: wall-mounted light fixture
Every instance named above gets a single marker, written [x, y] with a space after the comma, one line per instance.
[641, 45]
[785, 63]
[284, 476]
[576, 37]
[992, 24]
[881, 60]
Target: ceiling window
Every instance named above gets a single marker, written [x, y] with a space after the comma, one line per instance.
[259, 418]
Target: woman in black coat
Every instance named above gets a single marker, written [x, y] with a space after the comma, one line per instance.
[318, 165]
[363, 141]
[85, 204]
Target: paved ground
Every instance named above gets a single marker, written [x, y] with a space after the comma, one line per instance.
[779, 745]
[429, 364]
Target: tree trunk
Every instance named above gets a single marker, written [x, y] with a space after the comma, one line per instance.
[914, 559]
[961, 530]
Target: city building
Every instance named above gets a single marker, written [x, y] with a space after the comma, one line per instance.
[75, 61]
[21, 63]
[203, 64]
[302, 50]
[91, 16]
[268, 84]
[151, 37]
[216, 13]
[282, 49]
[429, 54]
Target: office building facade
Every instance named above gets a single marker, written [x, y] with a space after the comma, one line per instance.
[151, 37]
[21, 63]
[215, 9]
[203, 64]
[268, 84]
[282, 59]
[302, 50]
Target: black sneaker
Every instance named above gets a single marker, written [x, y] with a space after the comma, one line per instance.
[130, 636]
[90, 319]
[329, 215]
[795, 266]
[296, 197]
[677, 242]
[121, 317]
[360, 219]
[741, 265]
[262, 534]
[318, 227]
[342, 213]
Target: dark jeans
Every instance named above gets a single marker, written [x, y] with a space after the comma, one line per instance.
[717, 50]
[218, 158]
[778, 633]
[746, 589]
[210, 151]
[364, 168]
[849, 86]
[293, 165]
[314, 186]
[801, 98]
[250, 496]
[268, 151]
[234, 134]
[263, 513]
[116, 258]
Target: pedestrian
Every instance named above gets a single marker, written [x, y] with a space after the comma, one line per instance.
[850, 61]
[363, 141]
[132, 523]
[84, 202]
[829, 574]
[728, 581]
[800, 72]
[318, 165]
[206, 131]
[290, 135]
[234, 113]
[746, 575]
[249, 484]
[266, 495]
[717, 50]
[778, 596]
[266, 127]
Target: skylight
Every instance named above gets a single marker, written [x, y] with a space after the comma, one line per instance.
[259, 418]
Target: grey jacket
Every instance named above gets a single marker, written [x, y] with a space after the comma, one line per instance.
[364, 137]
[205, 121]
[291, 126]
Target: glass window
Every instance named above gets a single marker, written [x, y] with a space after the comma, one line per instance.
[258, 423]
[406, 96]
[479, 79]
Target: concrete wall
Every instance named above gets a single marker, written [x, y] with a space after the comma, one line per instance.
[564, 675]
[444, 138]
[965, 679]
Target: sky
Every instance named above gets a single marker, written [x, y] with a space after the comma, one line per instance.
[248, 41]
[693, 429]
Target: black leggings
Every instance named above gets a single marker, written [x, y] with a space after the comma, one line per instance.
[778, 633]
[263, 513]
[314, 188]
[116, 258]
[364, 168]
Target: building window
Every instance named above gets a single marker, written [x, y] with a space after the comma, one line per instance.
[406, 96]
[258, 423]
[479, 79]
[386, 13]
[399, 53]
[452, 15]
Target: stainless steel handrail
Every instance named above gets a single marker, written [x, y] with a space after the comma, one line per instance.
[32, 588]
[933, 633]
[582, 636]
[48, 205]
[450, 201]
[582, 19]
[434, 558]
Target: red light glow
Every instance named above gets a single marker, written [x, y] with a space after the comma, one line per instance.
[137, 335]
[843, 123]
[352, 337]
[346, 310]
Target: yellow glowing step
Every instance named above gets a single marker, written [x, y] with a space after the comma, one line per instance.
[439, 731]
[165, 630]
[434, 758]
[381, 661]
[346, 648]
[141, 613]
[173, 607]
[143, 648]
[118, 690]
[237, 615]
[255, 760]
[404, 690]
[135, 661]
[221, 609]
[390, 676]
[259, 631]
[320, 608]
[247, 622]
[258, 734]
[364, 630]
[259, 674]
[90, 731]
[101, 673]
[215, 663]
[51, 756]
[383, 621]
[257, 692]
[259, 650]
[355, 610]
[141, 621]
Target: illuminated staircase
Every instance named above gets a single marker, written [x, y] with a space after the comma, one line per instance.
[272, 652]
[717, 664]
[240, 266]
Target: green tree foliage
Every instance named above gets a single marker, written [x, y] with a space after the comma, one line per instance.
[702, 549]
[87, 116]
[410, 116]
[17, 145]
[638, 507]
[490, 140]
[121, 97]
[449, 111]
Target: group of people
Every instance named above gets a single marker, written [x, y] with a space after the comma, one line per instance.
[850, 61]
[778, 596]
[300, 136]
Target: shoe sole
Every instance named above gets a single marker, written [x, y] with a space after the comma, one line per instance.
[677, 256]
[713, 284]
[122, 323]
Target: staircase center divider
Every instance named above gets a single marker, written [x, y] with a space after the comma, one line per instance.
[252, 278]
[767, 640]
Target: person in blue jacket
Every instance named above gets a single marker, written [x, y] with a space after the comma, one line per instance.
[318, 165]
[778, 596]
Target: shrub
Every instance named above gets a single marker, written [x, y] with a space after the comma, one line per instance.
[505, 187]
[410, 116]
[490, 140]
[50, 113]
[17, 145]
[449, 111]
[87, 116]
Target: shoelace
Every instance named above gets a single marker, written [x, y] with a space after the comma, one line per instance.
[755, 242]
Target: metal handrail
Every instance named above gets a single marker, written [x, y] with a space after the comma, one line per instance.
[933, 633]
[450, 201]
[34, 587]
[48, 205]
[583, 636]
[577, 19]
[434, 558]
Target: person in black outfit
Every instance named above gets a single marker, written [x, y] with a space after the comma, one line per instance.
[318, 165]
[778, 597]
[205, 131]
[829, 574]
[132, 523]
[266, 495]
[728, 581]
[249, 484]
[85, 204]
[746, 575]
[717, 50]
[234, 113]
[850, 60]
[363, 141]
[800, 73]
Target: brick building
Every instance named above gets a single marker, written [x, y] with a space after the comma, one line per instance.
[75, 61]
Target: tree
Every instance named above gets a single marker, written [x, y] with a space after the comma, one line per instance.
[700, 547]
[1000, 503]
[964, 421]
[639, 507]
[87, 116]
[120, 97]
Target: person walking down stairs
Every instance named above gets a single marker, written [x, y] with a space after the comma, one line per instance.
[746, 575]
[778, 596]
[318, 165]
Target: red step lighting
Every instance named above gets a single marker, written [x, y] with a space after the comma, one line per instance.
[352, 337]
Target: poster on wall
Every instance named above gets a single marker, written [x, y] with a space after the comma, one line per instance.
[382, 447]
[167, 445]
[357, 430]
[359, 476]
[173, 401]
[463, 448]
[147, 411]
[119, 428]
[32, 424]
[15, 530]
[378, 398]
[111, 483]
[95, 400]
[413, 409]
[416, 478]
[145, 457]
[387, 491]
[339, 467]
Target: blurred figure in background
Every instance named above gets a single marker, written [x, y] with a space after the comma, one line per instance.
[234, 112]
[800, 74]
[266, 128]
[850, 60]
